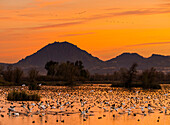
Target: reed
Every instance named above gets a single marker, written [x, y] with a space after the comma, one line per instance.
[22, 96]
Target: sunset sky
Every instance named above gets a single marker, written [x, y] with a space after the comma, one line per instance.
[104, 28]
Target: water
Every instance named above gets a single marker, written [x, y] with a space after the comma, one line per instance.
[68, 101]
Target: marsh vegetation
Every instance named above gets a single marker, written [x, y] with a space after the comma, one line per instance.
[22, 96]
[74, 73]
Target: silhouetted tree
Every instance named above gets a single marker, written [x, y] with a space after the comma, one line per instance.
[79, 64]
[160, 76]
[116, 76]
[17, 74]
[51, 68]
[129, 75]
[167, 78]
[149, 79]
[1, 69]
[68, 71]
[123, 75]
[33, 74]
[8, 74]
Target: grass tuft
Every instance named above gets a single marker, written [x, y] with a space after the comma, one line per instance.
[22, 96]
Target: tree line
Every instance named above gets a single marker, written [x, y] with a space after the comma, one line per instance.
[72, 72]
[67, 71]
[15, 75]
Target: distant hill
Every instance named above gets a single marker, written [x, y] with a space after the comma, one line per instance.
[60, 52]
[160, 62]
[64, 51]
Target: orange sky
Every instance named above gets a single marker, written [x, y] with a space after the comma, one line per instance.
[104, 28]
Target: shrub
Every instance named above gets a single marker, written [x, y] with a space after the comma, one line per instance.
[22, 96]
[149, 80]
[34, 86]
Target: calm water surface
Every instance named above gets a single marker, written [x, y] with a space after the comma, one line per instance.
[90, 105]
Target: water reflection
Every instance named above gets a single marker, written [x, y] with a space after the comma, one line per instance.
[89, 105]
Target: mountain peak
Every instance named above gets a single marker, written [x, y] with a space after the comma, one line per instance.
[157, 55]
[129, 55]
[64, 42]
[59, 52]
[60, 43]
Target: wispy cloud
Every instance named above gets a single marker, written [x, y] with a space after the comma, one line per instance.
[82, 20]
[146, 11]
[137, 12]
[5, 18]
[145, 44]
[49, 26]
[81, 12]
[31, 15]
[112, 9]
[134, 45]
[78, 34]
[165, 5]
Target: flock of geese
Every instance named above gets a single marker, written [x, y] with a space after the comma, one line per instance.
[87, 101]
